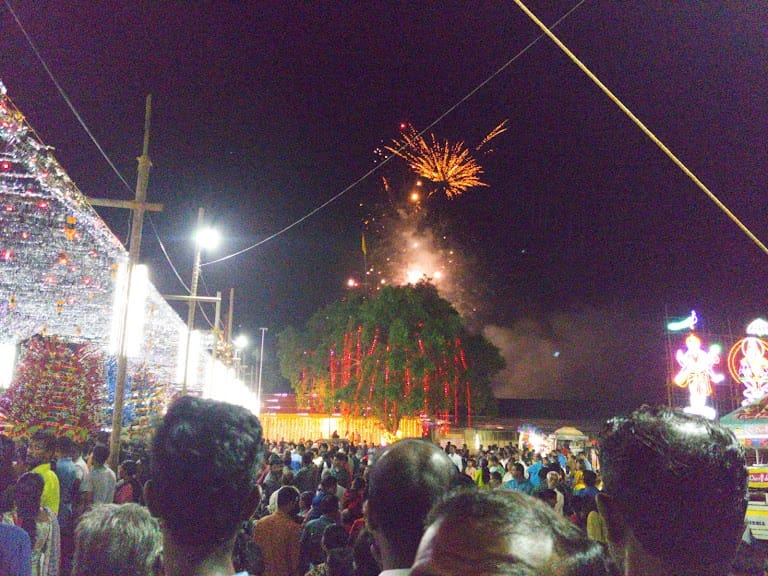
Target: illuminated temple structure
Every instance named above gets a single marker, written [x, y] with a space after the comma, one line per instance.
[60, 266]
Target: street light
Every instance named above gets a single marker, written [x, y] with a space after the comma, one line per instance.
[240, 342]
[204, 238]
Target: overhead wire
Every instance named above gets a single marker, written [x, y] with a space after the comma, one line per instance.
[317, 208]
[387, 159]
[101, 150]
[679, 163]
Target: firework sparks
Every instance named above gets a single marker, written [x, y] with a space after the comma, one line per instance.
[450, 167]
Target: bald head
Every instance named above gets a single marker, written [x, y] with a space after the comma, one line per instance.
[404, 482]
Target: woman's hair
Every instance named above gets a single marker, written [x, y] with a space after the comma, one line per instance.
[29, 490]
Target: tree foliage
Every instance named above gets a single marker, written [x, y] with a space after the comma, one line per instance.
[402, 352]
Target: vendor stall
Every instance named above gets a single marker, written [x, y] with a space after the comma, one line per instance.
[750, 426]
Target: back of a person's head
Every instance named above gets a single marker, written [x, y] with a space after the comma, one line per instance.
[28, 492]
[590, 478]
[328, 504]
[329, 482]
[287, 495]
[205, 458]
[680, 482]
[129, 467]
[100, 454]
[335, 536]
[112, 540]
[46, 439]
[65, 445]
[405, 480]
[340, 562]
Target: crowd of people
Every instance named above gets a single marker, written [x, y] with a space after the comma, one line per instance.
[210, 496]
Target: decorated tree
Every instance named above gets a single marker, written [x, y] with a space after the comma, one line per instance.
[59, 387]
[401, 352]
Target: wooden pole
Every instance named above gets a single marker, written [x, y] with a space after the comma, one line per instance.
[134, 250]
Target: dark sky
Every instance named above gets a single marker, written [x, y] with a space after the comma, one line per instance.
[587, 235]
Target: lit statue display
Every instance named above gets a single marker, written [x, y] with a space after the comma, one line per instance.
[748, 363]
[697, 372]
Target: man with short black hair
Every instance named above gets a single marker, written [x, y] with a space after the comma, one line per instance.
[674, 493]
[204, 465]
[519, 483]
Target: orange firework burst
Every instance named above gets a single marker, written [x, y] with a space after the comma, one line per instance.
[450, 167]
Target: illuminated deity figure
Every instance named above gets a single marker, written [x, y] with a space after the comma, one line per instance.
[697, 373]
[753, 368]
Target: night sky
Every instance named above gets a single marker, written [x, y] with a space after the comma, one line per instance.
[587, 236]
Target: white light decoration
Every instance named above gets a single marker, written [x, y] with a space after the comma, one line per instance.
[193, 361]
[748, 361]
[758, 327]
[134, 334]
[7, 363]
[59, 260]
[687, 323]
[697, 374]
[222, 385]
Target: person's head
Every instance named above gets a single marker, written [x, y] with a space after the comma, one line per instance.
[329, 484]
[307, 457]
[340, 459]
[100, 454]
[365, 563]
[674, 490]
[288, 500]
[553, 479]
[340, 562]
[41, 448]
[518, 472]
[590, 478]
[334, 536]
[205, 455]
[276, 464]
[405, 480]
[128, 469]
[27, 494]
[328, 505]
[65, 447]
[503, 533]
[287, 477]
[495, 478]
[548, 496]
[305, 501]
[112, 540]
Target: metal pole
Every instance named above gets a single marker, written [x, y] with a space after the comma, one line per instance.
[134, 249]
[216, 323]
[192, 301]
[261, 364]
